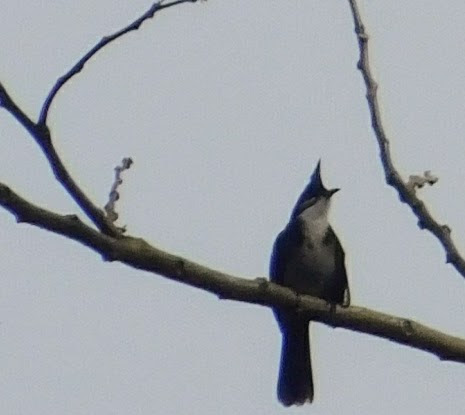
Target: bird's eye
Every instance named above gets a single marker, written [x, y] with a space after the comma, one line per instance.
[311, 202]
[303, 206]
[308, 203]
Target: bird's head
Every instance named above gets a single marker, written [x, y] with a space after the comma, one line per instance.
[315, 195]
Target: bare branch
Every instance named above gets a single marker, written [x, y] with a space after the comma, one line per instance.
[110, 207]
[157, 6]
[41, 135]
[40, 132]
[406, 191]
[7, 102]
[137, 253]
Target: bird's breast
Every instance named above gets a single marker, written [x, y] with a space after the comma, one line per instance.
[311, 268]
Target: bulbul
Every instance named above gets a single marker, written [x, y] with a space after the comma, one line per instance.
[308, 258]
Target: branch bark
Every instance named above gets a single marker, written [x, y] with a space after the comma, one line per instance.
[406, 192]
[137, 253]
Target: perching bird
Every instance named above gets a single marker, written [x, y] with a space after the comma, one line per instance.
[308, 258]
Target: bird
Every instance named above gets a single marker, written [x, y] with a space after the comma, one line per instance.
[308, 258]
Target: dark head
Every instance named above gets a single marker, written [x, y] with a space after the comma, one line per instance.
[314, 191]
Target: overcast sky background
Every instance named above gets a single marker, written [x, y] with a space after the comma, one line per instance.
[225, 108]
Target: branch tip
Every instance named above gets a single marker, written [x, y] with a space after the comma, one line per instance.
[417, 182]
[110, 207]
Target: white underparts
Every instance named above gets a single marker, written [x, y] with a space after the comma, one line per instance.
[315, 219]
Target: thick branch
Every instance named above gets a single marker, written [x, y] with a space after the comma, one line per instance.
[406, 192]
[157, 6]
[139, 254]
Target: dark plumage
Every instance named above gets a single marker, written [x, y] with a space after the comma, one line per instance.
[307, 257]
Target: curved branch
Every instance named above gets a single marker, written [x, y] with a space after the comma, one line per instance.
[137, 253]
[405, 190]
[157, 6]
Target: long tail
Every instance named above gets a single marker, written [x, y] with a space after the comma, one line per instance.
[295, 384]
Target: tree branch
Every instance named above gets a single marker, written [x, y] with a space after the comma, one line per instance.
[41, 135]
[406, 192]
[137, 253]
[157, 6]
[110, 207]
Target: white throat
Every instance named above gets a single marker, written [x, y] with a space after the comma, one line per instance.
[315, 219]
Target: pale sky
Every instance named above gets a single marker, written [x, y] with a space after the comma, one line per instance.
[225, 108]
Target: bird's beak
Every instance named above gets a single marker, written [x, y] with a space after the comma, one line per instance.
[332, 191]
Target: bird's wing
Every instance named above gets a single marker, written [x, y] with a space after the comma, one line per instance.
[282, 249]
[277, 262]
[343, 284]
[280, 257]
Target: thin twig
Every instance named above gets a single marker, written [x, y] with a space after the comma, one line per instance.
[407, 193]
[137, 253]
[157, 6]
[110, 207]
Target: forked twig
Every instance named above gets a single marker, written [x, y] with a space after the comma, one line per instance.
[41, 133]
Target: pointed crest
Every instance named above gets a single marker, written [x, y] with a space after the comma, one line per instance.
[316, 185]
[313, 189]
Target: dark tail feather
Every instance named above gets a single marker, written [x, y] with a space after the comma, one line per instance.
[295, 384]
